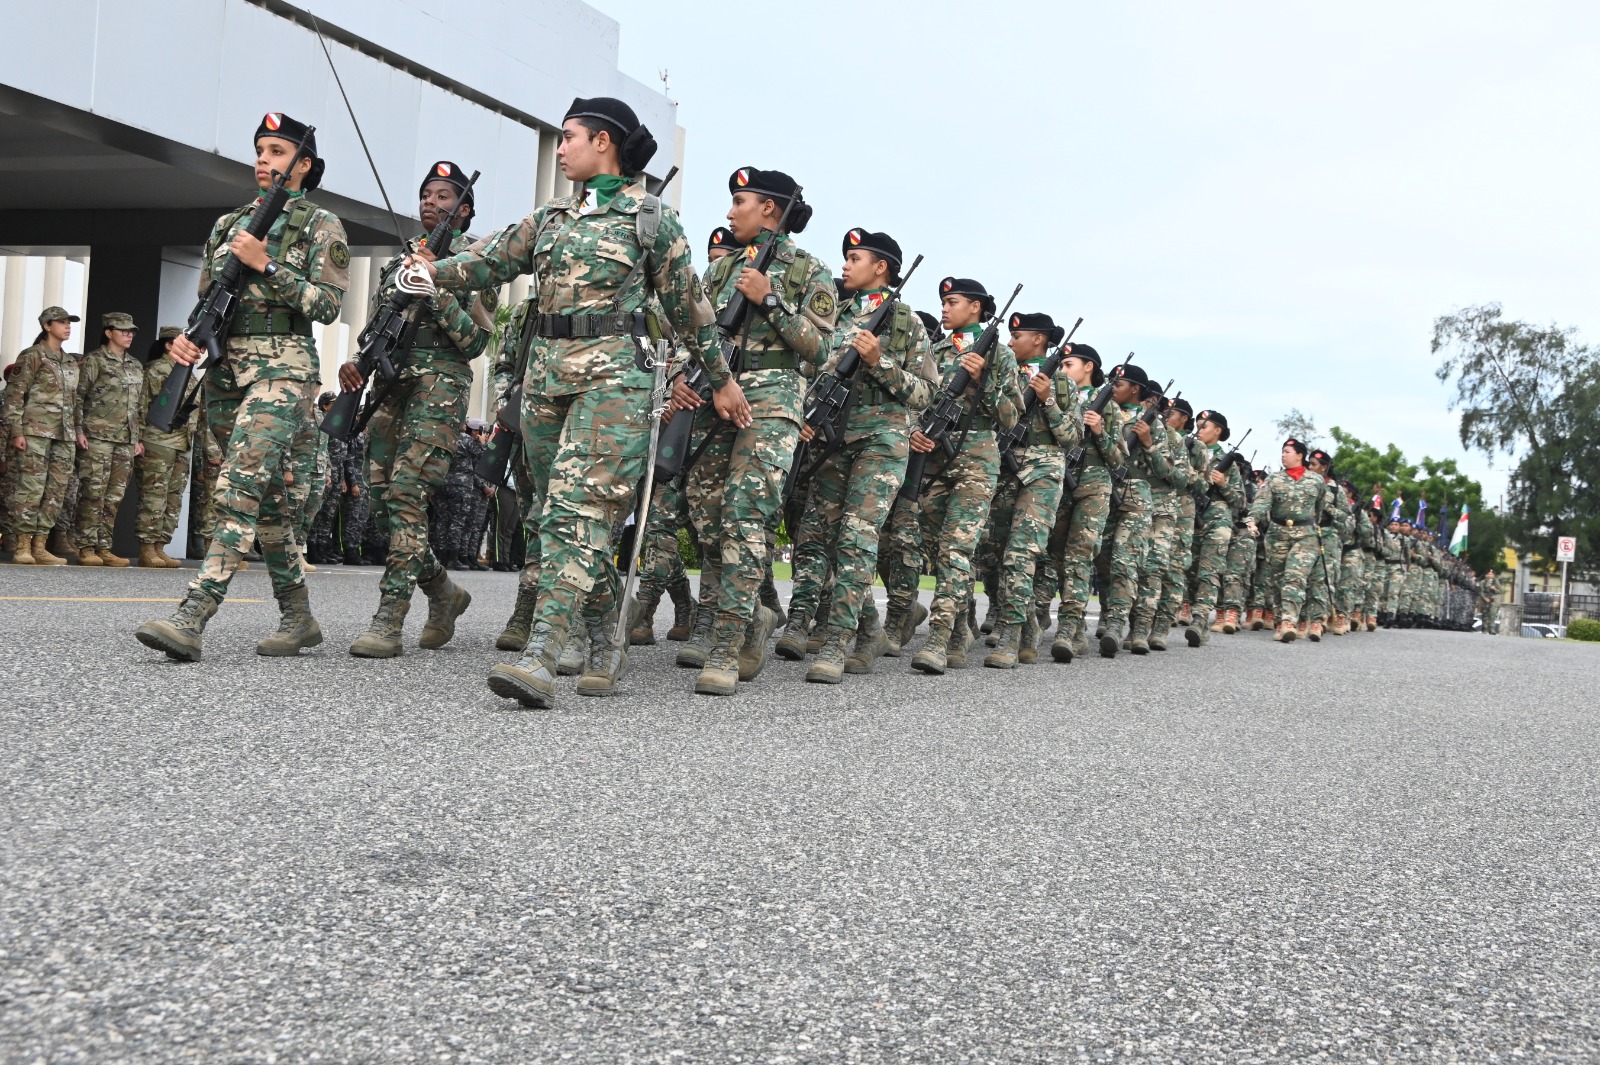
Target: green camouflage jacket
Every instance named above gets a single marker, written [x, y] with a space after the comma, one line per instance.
[451, 332]
[42, 396]
[1288, 502]
[999, 403]
[1103, 453]
[110, 389]
[1230, 495]
[583, 260]
[1489, 589]
[1151, 464]
[889, 394]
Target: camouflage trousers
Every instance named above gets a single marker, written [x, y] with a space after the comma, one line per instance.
[585, 453]
[1373, 574]
[900, 558]
[954, 508]
[735, 498]
[163, 475]
[810, 561]
[104, 468]
[410, 440]
[1212, 544]
[1175, 581]
[1292, 563]
[1490, 609]
[1351, 584]
[1068, 566]
[662, 565]
[299, 481]
[1123, 550]
[1157, 557]
[39, 479]
[1239, 572]
[851, 496]
[1021, 517]
[1322, 585]
[255, 425]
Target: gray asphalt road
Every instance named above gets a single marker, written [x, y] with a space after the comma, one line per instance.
[1379, 848]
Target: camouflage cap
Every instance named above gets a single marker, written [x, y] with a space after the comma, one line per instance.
[56, 314]
[169, 332]
[117, 320]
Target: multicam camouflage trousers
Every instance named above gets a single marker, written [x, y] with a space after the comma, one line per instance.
[735, 494]
[255, 424]
[1212, 547]
[1122, 551]
[954, 509]
[163, 475]
[410, 440]
[103, 471]
[1292, 562]
[851, 496]
[1068, 565]
[1163, 544]
[39, 478]
[1021, 517]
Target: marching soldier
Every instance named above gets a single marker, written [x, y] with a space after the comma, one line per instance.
[1222, 496]
[1291, 503]
[1127, 538]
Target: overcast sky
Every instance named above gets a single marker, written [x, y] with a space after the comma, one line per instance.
[1269, 202]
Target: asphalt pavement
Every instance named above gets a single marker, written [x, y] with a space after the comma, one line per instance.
[1379, 848]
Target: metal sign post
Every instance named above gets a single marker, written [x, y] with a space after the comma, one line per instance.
[1566, 551]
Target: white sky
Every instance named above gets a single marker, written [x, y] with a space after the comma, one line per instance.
[1269, 202]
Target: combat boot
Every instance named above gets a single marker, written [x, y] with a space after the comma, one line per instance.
[1028, 641]
[720, 675]
[1287, 631]
[1080, 643]
[753, 655]
[114, 561]
[531, 680]
[22, 549]
[43, 557]
[296, 627]
[908, 627]
[447, 601]
[1372, 623]
[1063, 648]
[385, 632]
[1230, 622]
[819, 632]
[148, 558]
[988, 618]
[1004, 655]
[1196, 634]
[768, 596]
[1138, 638]
[514, 637]
[962, 639]
[692, 655]
[830, 666]
[1221, 622]
[608, 661]
[682, 611]
[1110, 640]
[1157, 639]
[892, 636]
[1314, 632]
[1340, 627]
[167, 560]
[1185, 615]
[933, 657]
[791, 645]
[642, 628]
[870, 646]
[575, 655]
[1304, 626]
[180, 635]
[64, 544]
[1253, 620]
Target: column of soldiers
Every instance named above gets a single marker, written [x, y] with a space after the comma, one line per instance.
[1022, 463]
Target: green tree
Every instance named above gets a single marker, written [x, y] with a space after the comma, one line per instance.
[1300, 426]
[1531, 394]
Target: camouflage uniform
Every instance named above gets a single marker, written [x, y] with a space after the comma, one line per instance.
[1336, 523]
[41, 405]
[1214, 537]
[305, 448]
[110, 387]
[1489, 602]
[1294, 509]
[416, 429]
[854, 488]
[736, 488]
[1081, 522]
[1170, 478]
[956, 492]
[1352, 566]
[585, 400]
[1239, 577]
[1126, 543]
[1176, 586]
[164, 466]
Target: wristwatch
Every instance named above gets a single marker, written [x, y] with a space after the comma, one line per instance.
[270, 269]
[769, 302]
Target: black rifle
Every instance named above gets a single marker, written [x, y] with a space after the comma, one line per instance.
[834, 393]
[1012, 438]
[1129, 435]
[947, 409]
[208, 322]
[1203, 498]
[1076, 456]
[387, 337]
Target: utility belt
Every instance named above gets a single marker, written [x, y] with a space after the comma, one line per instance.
[1292, 523]
[269, 323]
[771, 360]
[593, 326]
[431, 336]
[979, 420]
[1040, 438]
[877, 396]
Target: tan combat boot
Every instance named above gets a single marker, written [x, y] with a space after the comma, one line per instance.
[642, 627]
[514, 637]
[753, 654]
[114, 561]
[1230, 622]
[446, 602]
[385, 632]
[1286, 632]
[720, 675]
[43, 557]
[180, 635]
[167, 560]
[682, 611]
[830, 661]
[934, 658]
[296, 627]
[65, 545]
[531, 680]
[149, 559]
[22, 549]
[1314, 632]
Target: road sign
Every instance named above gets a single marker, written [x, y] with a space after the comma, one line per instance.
[1566, 548]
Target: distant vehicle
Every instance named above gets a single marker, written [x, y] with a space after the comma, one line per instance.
[1548, 632]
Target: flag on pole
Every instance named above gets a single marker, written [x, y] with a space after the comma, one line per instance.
[1422, 514]
[1458, 542]
[1394, 515]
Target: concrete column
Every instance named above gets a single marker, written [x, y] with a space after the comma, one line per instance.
[545, 173]
[13, 311]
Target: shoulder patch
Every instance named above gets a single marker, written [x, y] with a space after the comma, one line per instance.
[490, 298]
[339, 254]
[822, 303]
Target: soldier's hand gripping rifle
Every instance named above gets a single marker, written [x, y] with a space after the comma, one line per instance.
[1203, 498]
[1012, 438]
[1075, 457]
[1148, 417]
[828, 399]
[388, 336]
[208, 322]
[947, 410]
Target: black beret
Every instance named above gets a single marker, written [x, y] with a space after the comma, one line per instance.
[972, 290]
[1037, 323]
[1083, 351]
[880, 244]
[1183, 405]
[451, 174]
[1212, 416]
[277, 124]
[1129, 372]
[722, 237]
[931, 324]
[613, 112]
[770, 183]
[1297, 445]
[1322, 457]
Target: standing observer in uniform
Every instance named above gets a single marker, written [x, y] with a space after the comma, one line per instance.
[164, 466]
[255, 396]
[41, 415]
[110, 388]
[586, 398]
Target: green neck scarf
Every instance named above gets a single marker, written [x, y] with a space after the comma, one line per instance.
[606, 187]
